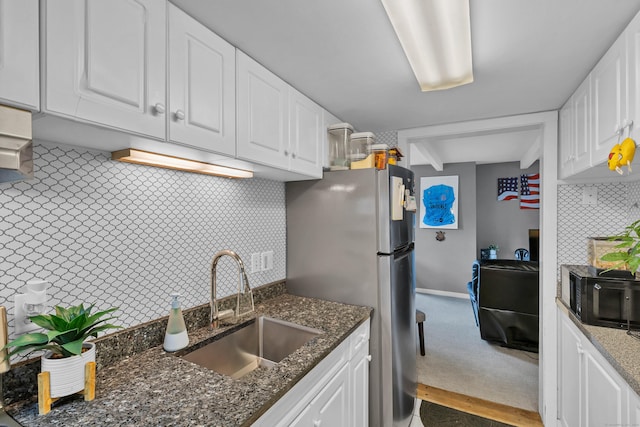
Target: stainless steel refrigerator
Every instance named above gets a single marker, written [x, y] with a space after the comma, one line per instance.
[350, 239]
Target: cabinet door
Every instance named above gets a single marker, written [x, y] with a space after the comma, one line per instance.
[633, 407]
[105, 63]
[201, 86]
[582, 133]
[263, 112]
[305, 121]
[633, 65]
[603, 393]
[19, 55]
[566, 143]
[569, 371]
[360, 387]
[330, 408]
[610, 100]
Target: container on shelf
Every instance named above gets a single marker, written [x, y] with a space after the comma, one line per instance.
[339, 140]
[380, 153]
[394, 155]
[360, 146]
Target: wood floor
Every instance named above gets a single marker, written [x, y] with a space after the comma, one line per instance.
[483, 408]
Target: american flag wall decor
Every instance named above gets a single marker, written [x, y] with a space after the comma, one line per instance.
[530, 191]
[507, 188]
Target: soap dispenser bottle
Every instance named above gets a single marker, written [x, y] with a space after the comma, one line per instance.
[176, 337]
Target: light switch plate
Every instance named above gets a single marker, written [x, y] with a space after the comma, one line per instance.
[255, 262]
[267, 261]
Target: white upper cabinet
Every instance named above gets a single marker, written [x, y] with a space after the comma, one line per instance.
[575, 132]
[201, 86]
[633, 59]
[263, 114]
[305, 139]
[582, 135]
[19, 54]
[565, 140]
[277, 125]
[610, 100]
[105, 63]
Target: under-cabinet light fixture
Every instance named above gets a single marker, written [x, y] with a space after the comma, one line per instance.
[436, 38]
[130, 155]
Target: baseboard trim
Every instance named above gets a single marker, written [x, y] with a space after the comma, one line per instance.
[442, 293]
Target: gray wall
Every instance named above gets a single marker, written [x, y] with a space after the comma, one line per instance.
[502, 222]
[446, 265]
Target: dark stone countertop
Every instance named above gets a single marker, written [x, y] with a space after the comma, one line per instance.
[155, 388]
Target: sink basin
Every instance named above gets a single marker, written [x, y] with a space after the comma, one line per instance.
[261, 344]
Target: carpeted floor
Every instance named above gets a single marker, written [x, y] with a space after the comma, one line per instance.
[458, 360]
[433, 415]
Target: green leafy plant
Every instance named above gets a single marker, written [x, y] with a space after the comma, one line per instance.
[630, 248]
[66, 331]
[494, 247]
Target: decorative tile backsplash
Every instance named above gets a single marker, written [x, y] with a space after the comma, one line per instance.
[116, 234]
[617, 207]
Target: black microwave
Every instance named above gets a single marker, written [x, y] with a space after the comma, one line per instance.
[605, 301]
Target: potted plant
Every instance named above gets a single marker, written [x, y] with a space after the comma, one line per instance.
[629, 253]
[493, 251]
[67, 351]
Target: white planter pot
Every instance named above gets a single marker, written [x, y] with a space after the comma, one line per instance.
[493, 254]
[67, 375]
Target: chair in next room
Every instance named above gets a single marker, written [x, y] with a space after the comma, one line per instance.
[472, 287]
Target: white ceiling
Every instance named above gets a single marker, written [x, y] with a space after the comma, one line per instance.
[528, 56]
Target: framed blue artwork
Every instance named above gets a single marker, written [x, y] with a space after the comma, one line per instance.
[439, 202]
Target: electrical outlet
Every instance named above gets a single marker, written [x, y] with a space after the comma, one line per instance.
[267, 261]
[590, 195]
[255, 262]
[21, 322]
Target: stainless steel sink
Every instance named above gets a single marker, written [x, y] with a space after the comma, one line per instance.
[261, 344]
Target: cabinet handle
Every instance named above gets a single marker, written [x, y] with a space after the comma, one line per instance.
[159, 108]
[579, 348]
[368, 357]
[286, 153]
[179, 115]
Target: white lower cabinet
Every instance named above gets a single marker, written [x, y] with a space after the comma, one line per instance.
[335, 393]
[360, 386]
[331, 406]
[633, 408]
[591, 392]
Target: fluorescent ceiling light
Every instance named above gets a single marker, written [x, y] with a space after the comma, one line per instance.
[140, 157]
[436, 37]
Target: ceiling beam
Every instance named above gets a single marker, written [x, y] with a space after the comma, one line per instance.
[532, 154]
[431, 156]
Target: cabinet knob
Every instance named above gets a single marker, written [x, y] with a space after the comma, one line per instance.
[159, 108]
[579, 348]
[286, 153]
[179, 115]
[316, 423]
[293, 155]
[368, 357]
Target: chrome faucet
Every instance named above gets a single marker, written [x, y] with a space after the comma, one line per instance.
[243, 286]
